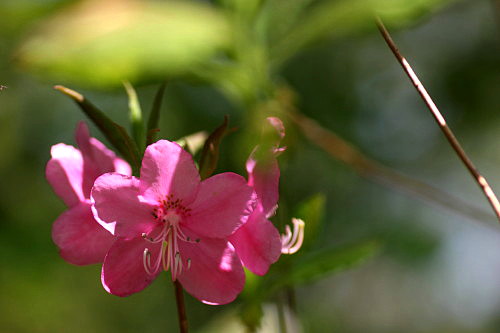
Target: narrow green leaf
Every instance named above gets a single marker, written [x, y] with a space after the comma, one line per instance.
[135, 115]
[210, 152]
[154, 116]
[115, 134]
[316, 265]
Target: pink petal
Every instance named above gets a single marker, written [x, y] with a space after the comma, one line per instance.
[215, 275]
[168, 169]
[122, 167]
[97, 159]
[264, 173]
[257, 243]
[223, 203]
[118, 207]
[278, 126]
[264, 177]
[123, 272]
[64, 173]
[81, 240]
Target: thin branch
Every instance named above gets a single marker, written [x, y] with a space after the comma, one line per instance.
[380, 174]
[481, 181]
[181, 308]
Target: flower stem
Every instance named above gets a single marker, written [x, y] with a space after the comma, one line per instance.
[181, 308]
[481, 181]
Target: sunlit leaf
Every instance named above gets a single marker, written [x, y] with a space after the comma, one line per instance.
[135, 115]
[193, 142]
[103, 42]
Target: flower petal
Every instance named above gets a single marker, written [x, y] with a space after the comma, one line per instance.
[81, 240]
[168, 169]
[215, 275]
[257, 243]
[123, 272]
[64, 173]
[223, 203]
[118, 207]
[264, 172]
[264, 177]
[97, 158]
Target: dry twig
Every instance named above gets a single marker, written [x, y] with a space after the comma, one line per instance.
[481, 181]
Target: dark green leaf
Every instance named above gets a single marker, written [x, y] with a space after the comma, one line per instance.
[115, 134]
[154, 116]
[210, 152]
[317, 265]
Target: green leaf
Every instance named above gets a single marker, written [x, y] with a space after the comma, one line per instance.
[154, 116]
[101, 43]
[336, 19]
[135, 113]
[193, 142]
[115, 134]
[317, 265]
[210, 152]
[312, 212]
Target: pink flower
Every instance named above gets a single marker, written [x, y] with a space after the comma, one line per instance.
[258, 242]
[170, 220]
[71, 173]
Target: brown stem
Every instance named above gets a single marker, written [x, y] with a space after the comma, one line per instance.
[481, 181]
[181, 308]
[344, 151]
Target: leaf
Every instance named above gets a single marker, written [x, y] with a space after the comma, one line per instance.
[115, 134]
[210, 152]
[337, 19]
[317, 265]
[312, 212]
[101, 43]
[193, 142]
[154, 116]
[135, 113]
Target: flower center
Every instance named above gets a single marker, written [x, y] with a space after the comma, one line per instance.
[168, 215]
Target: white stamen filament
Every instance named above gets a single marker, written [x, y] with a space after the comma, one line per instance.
[169, 256]
[292, 241]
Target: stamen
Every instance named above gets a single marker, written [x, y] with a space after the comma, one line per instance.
[291, 242]
[146, 261]
[164, 246]
[168, 215]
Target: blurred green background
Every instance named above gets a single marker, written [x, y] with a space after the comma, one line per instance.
[437, 270]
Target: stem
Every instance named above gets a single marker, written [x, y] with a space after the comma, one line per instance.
[481, 181]
[281, 315]
[181, 308]
[345, 152]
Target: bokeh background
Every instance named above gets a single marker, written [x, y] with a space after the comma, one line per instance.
[437, 269]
